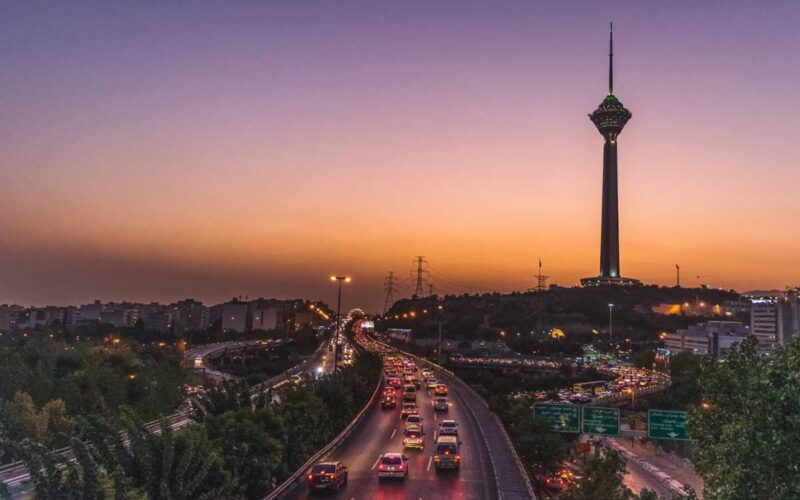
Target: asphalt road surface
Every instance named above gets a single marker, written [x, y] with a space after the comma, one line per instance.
[381, 432]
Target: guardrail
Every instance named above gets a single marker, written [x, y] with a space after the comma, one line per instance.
[176, 421]
[464, 385]
[295, 479]
[663, 478]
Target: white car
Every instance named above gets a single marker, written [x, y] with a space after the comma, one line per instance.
[448, 428]
[392, 465]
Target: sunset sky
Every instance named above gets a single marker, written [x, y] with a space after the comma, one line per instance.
[153, 151]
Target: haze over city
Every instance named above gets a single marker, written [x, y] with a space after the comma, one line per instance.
[158, 152]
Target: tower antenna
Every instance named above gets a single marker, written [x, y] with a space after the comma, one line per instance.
[611, 59]
[541, 280]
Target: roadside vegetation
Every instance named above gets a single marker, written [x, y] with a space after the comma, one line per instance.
[239, 447]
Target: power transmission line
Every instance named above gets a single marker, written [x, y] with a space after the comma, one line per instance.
[389, 284]
[419, 290]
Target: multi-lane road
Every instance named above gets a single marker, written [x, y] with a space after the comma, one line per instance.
[382, 431]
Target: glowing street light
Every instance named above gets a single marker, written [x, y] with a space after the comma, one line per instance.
[340, 279]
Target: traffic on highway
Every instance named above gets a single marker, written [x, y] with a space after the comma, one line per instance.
[418, 442]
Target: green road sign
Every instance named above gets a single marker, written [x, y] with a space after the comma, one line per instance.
[600, 421]
[663, 424]
[562, 418]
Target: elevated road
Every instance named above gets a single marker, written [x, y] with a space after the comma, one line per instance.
[489, 470]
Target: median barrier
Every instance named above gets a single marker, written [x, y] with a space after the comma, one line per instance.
[296, 478]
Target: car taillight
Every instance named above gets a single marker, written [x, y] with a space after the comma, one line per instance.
[331, 476]
[400, 467]
[380, 467]
[310, 477]
[458, 458]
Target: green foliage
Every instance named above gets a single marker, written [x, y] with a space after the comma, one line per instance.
[748, 429]
[92, 379]
[260, 443]
[537, 448]
[603, 478]
[229, 395]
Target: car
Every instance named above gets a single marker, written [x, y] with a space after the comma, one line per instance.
[413, 438]
[408, 409]
[431, 383]
[389, 401]
[440, 390]
[446, 454]
[327, 476]
[392, 465]
[395, 382]
[409, 393]
[448, 428]
[414, 421]
[441, 404]
[388, 391]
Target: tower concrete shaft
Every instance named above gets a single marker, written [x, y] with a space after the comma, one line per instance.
[610, 118]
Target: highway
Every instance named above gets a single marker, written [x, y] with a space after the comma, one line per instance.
[381, 432]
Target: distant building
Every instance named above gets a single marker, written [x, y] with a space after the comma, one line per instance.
[189, 315]
[713, 338]
[8, 316]
[234, 316]
[155, 317]
[698, 308]
[91, 312]
[774, 321]
[265, 318]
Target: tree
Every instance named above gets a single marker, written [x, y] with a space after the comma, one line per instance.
[23, 420]
[252, 446]
[748, 424]
[603, 478]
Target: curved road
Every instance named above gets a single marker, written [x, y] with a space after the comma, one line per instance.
[381, 432]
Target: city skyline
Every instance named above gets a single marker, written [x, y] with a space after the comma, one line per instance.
[155, 153]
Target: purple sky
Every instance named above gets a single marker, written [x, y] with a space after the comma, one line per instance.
[157, 150]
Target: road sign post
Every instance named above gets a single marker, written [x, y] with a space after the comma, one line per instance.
[600, 421]
[665, 424]
[562, 418]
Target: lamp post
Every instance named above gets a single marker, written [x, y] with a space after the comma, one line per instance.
[340, 279]
[611, 323]
[439, 351]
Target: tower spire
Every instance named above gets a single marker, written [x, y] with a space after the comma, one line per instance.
[611, 59]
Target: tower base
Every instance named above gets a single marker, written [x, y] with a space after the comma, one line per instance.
[609, 281]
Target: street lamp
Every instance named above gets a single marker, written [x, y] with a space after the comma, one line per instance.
[610, 323]
[439, 351]
[340, 279]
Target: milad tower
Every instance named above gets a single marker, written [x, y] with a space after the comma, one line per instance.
[609, 118]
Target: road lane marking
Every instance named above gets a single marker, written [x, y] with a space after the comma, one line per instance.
[430, 460]
[434, 435]
[393, 433]
[376, 463]
[435, 416]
